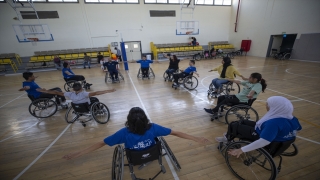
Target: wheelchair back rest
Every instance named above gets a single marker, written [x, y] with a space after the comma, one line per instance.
[65, 79]
[277, 148]
[31, 97]
[145, 156]
[81, 108]
[250, 101]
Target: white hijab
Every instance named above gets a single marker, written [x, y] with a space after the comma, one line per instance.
[279, 107]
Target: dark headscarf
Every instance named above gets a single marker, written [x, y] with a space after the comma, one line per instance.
[227, 62]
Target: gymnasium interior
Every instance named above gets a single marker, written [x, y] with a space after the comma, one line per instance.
[278, 39]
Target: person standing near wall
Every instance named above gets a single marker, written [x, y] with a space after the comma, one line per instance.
[100, 57]
[57, 62]
[87, 60]
[118, 54]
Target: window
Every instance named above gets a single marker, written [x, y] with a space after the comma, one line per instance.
[164, 1]
[113, 1]
[59, 1]
[2, 1]
[214, 2]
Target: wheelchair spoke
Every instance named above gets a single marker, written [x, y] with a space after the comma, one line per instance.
[100, 113]
[43, 108]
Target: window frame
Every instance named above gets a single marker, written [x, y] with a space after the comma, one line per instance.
[144, 1]
[211, 4]
[4, 1]
[110, 2]
[47, 1]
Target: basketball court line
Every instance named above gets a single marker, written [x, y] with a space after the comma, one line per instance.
[174, 173]
[19, 132]
[12, 100]
[287, 71]
[43, 152]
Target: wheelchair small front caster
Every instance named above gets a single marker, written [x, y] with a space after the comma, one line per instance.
[84, 125]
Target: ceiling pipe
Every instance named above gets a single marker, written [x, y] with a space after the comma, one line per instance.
[236, 24]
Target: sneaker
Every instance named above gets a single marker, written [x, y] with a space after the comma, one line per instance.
[174, 84]
[208, 111]
[88, 84]
[222, 139]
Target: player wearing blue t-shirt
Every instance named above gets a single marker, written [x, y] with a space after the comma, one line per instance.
[33, 88]
[112, 67]
[69, 75]
[277, 125]
[144, 66]
[186, 72]
[139, 134]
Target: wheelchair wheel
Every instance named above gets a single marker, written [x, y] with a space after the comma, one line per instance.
[139, 75]
[166, 76]
[117, 163]
[287, 56]
[232, 89]
[190, 82]
[71, 116]
[68, 85]
[43, 108]
[291, 151]
[100, 113]
[121, 78]
[256, 164]
[151, 73]
[197, 57]
[241, 112]
[170, 154]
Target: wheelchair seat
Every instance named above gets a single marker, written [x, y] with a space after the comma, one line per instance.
[249, 103]
[81, 108]
[32, 98]
[277, 148]
[144, 156]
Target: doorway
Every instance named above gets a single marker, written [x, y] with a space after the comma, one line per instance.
[133, 50]
[279, 43]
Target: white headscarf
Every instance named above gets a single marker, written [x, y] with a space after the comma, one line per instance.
[279, 107]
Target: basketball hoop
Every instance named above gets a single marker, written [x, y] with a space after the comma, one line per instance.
[33, 41]
[189, 32]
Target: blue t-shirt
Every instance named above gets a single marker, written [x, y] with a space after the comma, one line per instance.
[136, 141]
[111, 66]
[190, 69]
[145, 63]
[33, 88]
[279, 129]
[65, 75]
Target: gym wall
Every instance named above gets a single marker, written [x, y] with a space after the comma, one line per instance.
[94, 25]
[258, 19]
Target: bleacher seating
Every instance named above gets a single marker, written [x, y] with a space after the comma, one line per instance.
[74, 56]
[224, 45]
[8, 59]
[178, 49]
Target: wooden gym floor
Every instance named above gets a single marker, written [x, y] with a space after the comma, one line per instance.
[32, 148]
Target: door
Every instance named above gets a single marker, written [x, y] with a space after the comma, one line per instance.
[133, 50]
[288, 42]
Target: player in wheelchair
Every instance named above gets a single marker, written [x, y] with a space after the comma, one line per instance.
[145, 70]
[42, 105]
[261, 141]
[251, 89]
[71, 78]
[173, 67]
[222, 85]
[84, 104]
[186, 77]
[112, 72]
[139, 139]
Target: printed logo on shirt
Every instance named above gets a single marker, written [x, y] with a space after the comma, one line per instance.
[143, 144]
[291, 134]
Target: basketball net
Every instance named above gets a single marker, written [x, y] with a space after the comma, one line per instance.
[33, 41]
[189, 32]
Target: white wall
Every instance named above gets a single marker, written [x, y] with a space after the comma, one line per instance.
[94, 25]
[258, 19]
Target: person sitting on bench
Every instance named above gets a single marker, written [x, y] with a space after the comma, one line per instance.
[139, 134]
[251, 89]
[68, 75]
[186, 72]
[277, 125]
[79, 95]
[112, 68]
[33, 88]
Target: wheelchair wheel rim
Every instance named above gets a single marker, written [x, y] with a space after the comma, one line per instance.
[71, 116]
[170, 154]
[190, 83]
[291, 151]
[43, 108]
[117, 164]
[100, 113]
[241, 112]
[256, 164]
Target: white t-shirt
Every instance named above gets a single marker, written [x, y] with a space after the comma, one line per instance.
[79, 98]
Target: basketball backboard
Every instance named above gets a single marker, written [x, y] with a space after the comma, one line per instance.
[29, 32]
[187, 28]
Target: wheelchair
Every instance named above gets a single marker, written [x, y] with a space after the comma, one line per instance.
[257, 164]
[151, 74]
[96, 110]
[238, 112]
[228, 88]
[69, 83]
[168, 77]
[44, 107]
[108, 78]
[190, 82]
[142, 158]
